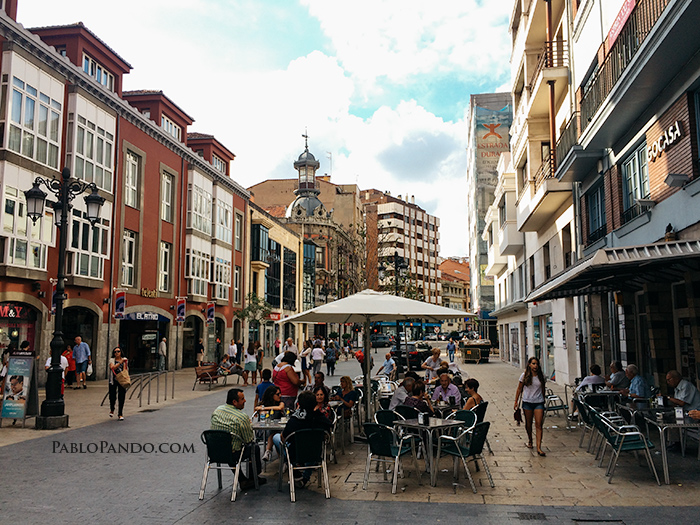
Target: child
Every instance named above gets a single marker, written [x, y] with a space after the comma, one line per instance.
[260, 389]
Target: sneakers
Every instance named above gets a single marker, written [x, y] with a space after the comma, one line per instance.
[111, 414]
[121, 418]
[267, 455]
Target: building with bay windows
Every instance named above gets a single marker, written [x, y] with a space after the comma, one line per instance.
[173, 224]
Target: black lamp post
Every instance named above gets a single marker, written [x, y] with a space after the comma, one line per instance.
[400, 265]
[65, 190]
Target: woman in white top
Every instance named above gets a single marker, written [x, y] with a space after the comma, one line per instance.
[317, 355]
[531, 389]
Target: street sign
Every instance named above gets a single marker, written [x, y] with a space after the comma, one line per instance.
[436, 329]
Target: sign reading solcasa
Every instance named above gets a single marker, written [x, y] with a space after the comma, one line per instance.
[669, 137]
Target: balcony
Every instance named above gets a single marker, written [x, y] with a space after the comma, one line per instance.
[652, 49]
[552, 67]
[541, 199]
[510, 240]
[574, 162]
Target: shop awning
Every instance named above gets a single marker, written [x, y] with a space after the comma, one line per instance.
[624, 268]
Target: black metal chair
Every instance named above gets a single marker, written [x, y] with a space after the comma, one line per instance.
[219, 451]
[407, 412]
[480, 411]
[383, 443]
[306, 449]
[468, 446]
[387, 417]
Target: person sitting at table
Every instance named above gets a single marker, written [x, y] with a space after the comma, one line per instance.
[419, 399]
[431, 365]
[685, 394]
[638, 390]
[471, 386]
[348, 396]
[402, 392]
[305, 417]
[272, 407]
[322, 405]
[617, 380]
[594, 378]
[266, 375]
[446, 389]
[319, 379]
[388, 367]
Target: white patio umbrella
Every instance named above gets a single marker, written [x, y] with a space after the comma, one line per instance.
[369, 306]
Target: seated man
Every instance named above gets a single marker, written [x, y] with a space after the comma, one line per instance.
[305, 417]
[231, 418]
[388, 367]
[638, 390]
[685, 394]
[227, 367]
[591, 381]
[446, 389]
[431, 365]
[402, 392]
[617, 379]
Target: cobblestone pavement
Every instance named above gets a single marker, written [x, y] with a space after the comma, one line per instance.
[76, 475]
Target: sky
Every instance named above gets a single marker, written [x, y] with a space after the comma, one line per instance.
[381, 87]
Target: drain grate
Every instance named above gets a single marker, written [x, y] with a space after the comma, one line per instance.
[151, 410]
[534, 516]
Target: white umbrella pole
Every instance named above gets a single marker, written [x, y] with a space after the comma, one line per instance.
[368, 371]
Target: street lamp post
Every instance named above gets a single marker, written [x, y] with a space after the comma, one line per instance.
[65, 190]
[399, 264]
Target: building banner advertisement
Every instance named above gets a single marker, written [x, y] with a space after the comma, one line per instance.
[119, 304]
[180, 312]
[19, 377]
[210, 312]
[491, 137]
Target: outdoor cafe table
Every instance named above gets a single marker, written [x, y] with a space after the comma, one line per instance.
[273, 425]
[665, 423]
[444, 409]
[436, 426]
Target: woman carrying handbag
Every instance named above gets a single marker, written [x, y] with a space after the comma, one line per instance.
[119, 381]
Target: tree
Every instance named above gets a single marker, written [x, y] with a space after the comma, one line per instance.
[255, 311]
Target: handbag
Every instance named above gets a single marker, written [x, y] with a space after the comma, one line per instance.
[517, 415]
[123, 379]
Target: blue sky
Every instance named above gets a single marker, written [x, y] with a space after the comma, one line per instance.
[383, 85]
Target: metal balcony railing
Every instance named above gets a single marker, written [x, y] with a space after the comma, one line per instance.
[554, 54]
[569, 137]
[546, 170]
[598, 234]
[638, 26]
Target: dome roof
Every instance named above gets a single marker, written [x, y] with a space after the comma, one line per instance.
[306, 206]
[306, 159]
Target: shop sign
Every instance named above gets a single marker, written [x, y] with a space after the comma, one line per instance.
[274, 316]
[145, 316]
[151, 294]
[13, 311]
[17, 386]
[180, 310]
[119, 304]
[669, 137]
[620, 20]
[210, 311]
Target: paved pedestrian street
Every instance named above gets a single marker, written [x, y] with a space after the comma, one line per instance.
[148, 469]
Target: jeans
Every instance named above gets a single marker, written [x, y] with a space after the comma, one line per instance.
[161, 363]
[451, 355]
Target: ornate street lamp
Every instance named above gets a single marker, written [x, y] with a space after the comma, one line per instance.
[65, 190]
[400, 265]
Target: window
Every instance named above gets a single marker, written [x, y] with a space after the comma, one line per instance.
[273, 275]
[197, 266]
[164, 264]
[35, 119]
[222, 278]
[166, 197]
[92, 153]
[289, 280]
[259, 243]
[89, 246]
[132, 170]
[98, 72]
[596, 214]
[23, 243]
[635, 177]
[129, 258]
[238, 232]
[219, 164]
[199, 210]
[237, 285]
[170, 127]
[223, 221]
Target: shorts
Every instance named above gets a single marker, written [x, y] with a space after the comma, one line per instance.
[81, 367]
[533, 406]
[251, 366]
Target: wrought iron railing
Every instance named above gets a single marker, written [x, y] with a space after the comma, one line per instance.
[554, 54]
[638, 26]
[546, 170]
[636, 210]
[569, 137]
[598, 234]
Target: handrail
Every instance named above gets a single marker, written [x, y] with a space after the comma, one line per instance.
[554, 54]
[141, 381]
[640, 23]
[569, 137]
[546, 170]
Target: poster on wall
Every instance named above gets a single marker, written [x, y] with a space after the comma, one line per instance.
[18, 386]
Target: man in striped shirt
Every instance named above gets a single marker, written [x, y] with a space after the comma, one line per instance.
[231, 418]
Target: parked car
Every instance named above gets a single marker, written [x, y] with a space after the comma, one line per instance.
[432, 336]
[418, 352]
[380, 340]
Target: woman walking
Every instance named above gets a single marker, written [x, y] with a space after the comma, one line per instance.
[331, 357]
[251, 364]
[116, 364]
[531, 389]
[304, 357]
[317, 355]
